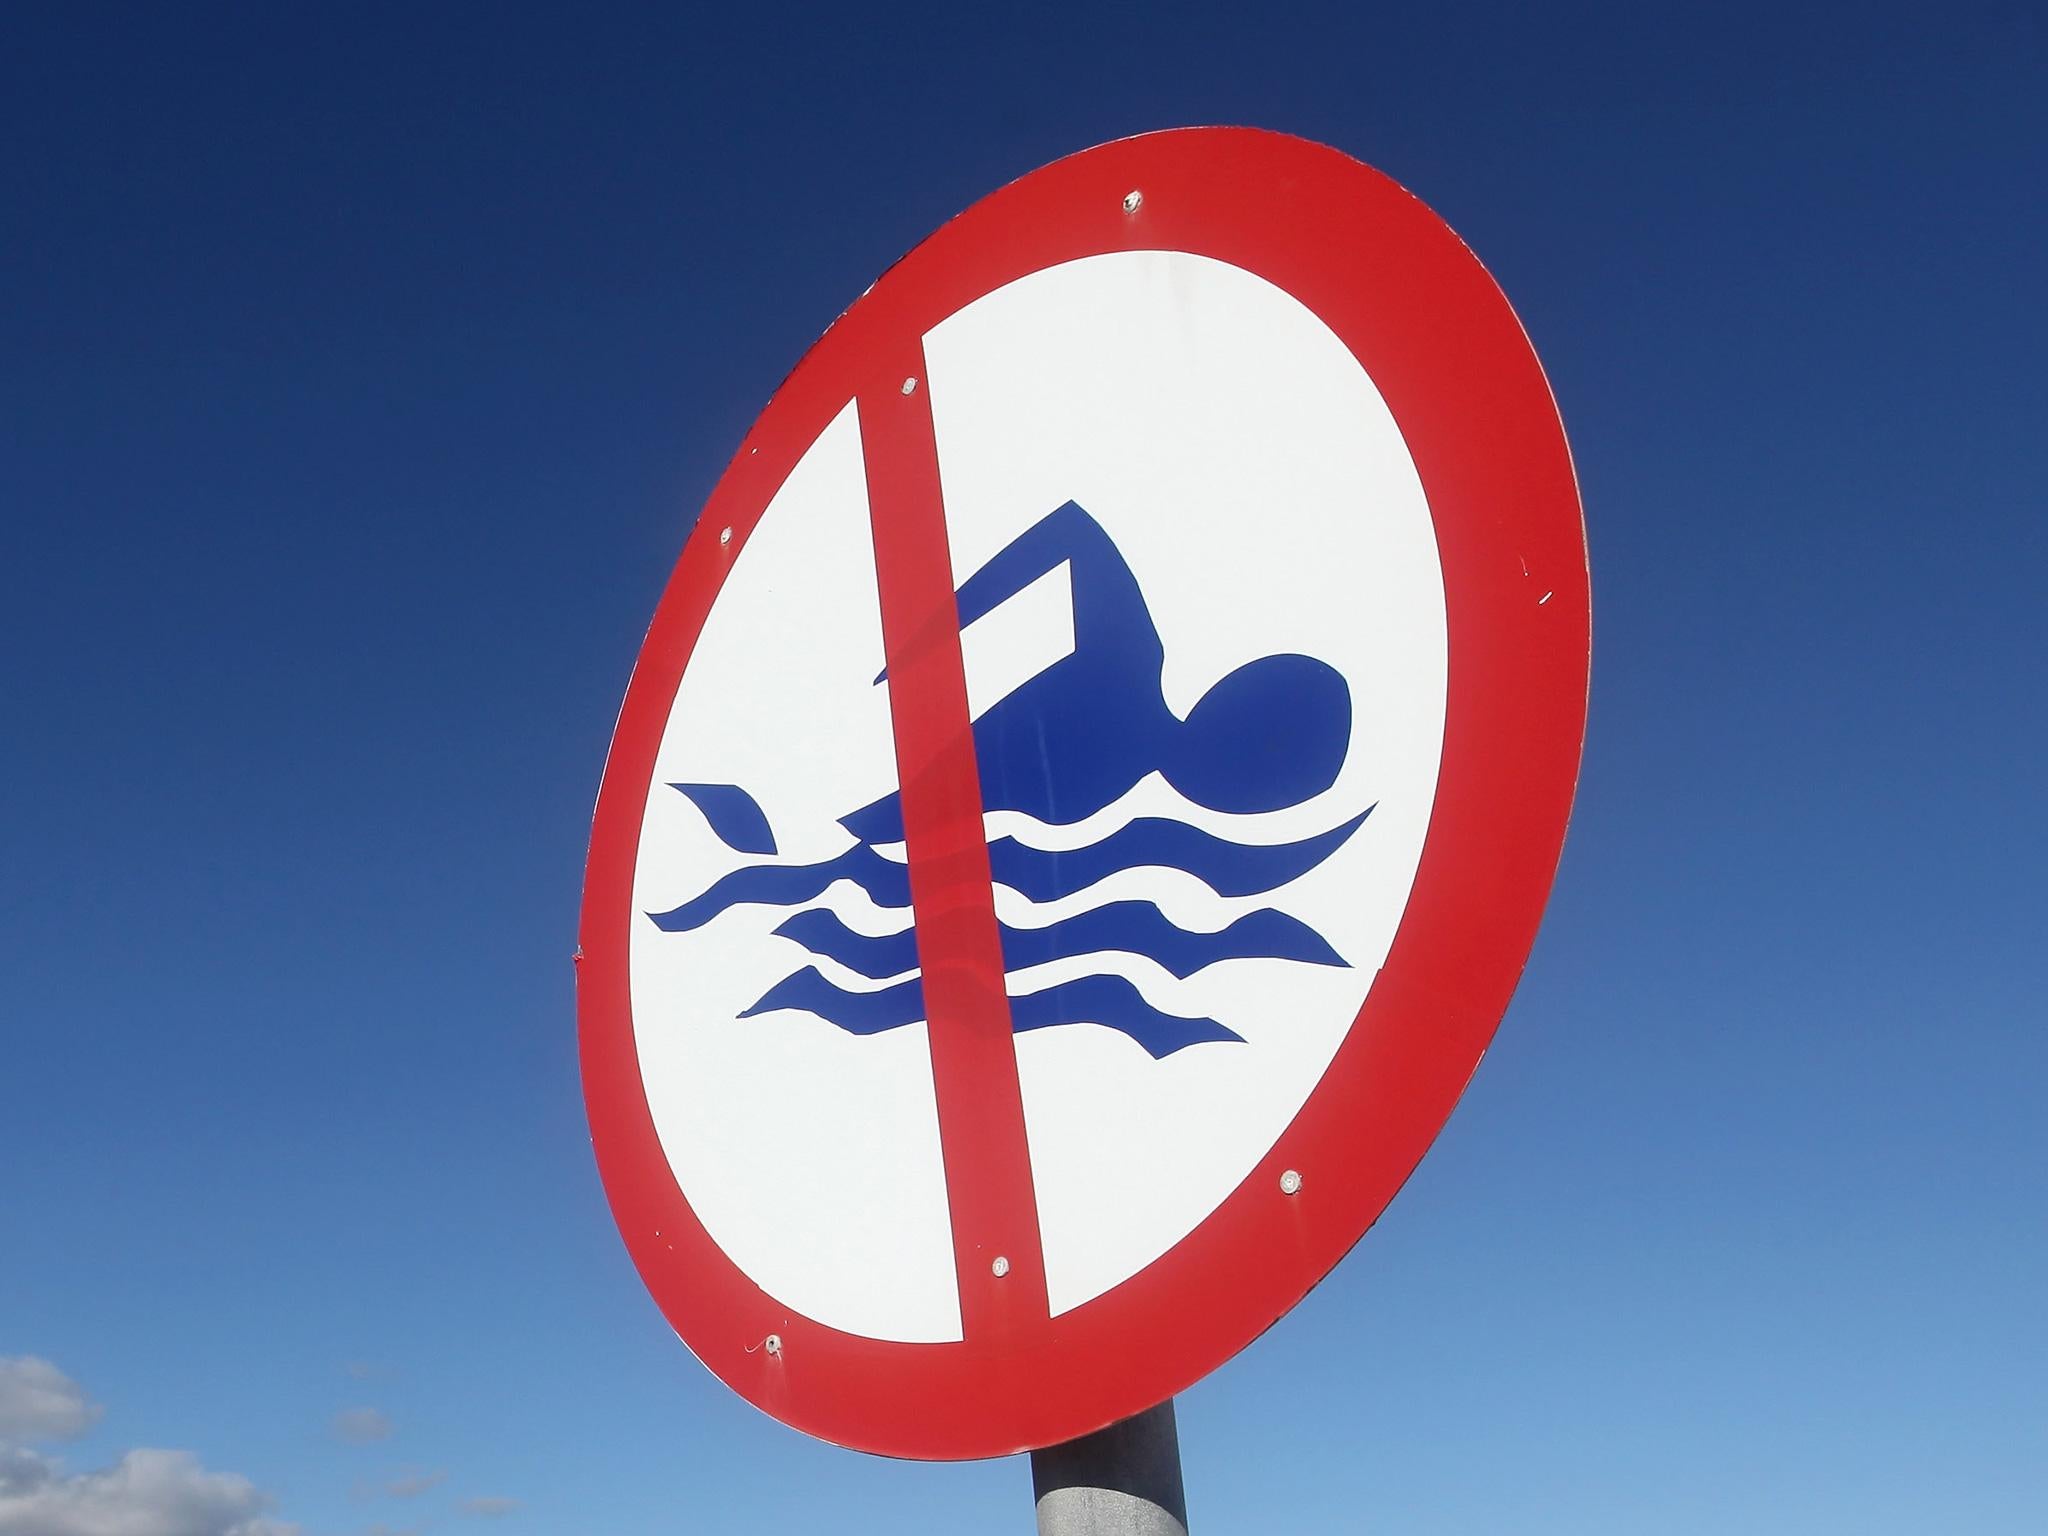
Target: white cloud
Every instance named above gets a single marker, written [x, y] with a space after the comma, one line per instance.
[145, 1493]
[39, 1402]
[360, 1426]
[489, 1505]
[409, 1484]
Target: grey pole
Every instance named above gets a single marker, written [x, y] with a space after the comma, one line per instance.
[1119, 1481]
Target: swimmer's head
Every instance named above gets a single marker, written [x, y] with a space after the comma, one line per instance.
[1269, 735]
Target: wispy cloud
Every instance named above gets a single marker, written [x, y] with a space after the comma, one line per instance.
[145, 1493]
[39, 1402]
[360, 1426]
[410, 1484]
[489, 1506]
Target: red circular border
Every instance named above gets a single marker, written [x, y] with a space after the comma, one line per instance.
[1447, 353]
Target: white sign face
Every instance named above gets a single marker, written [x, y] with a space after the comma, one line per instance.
[1203, 628]
[1085, 798]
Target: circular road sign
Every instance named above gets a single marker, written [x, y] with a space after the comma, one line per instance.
[1086, 796]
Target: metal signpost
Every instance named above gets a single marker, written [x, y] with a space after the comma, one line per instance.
[1085, 799]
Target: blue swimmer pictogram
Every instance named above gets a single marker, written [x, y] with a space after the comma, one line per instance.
[1060, 748]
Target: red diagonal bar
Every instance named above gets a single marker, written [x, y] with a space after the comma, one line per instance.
[959, 950]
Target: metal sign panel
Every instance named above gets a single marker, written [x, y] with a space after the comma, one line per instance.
[1086, 796]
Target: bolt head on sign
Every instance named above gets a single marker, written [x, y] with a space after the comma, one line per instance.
[1086, 796]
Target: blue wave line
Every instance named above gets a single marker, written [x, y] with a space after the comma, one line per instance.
[1139, 928]
[733, 814]
[789, 885]
[1227, 868]
[1085, 1000]
[1131, 927]
[821, 932]
[860, 1013]
[1114, 1003]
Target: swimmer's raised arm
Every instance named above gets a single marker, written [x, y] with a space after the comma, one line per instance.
[1066, 536]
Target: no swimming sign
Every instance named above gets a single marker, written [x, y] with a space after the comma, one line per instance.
[1086, 797]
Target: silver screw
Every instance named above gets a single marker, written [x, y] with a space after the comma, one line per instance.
[1133, 200]
[1290, 1183]
[773, 1343]
[910, 386]
[725, 535]
[1001, 1267]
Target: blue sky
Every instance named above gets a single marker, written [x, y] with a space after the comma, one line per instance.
[360, 375]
